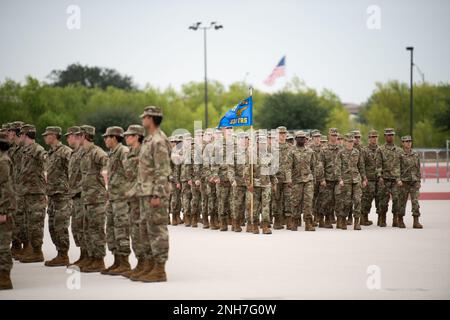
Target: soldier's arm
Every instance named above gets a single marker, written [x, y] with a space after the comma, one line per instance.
[361, 166]
[4, 172]
[338, 167]
[290, 163]
[161, 158]
[396, 167]
[379, 163]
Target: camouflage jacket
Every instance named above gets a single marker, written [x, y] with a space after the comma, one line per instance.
[301, 163]
[117, 179]
[410, 166]
[75, 172]
[223, 156]
[197, 162]
[370, 164]
[58, 169]
[349, 167]
[318, 170]
[176, 158]
[283, 153]
[236, 170]
[208, 160]
[328, 162]
[186, 169]
[7, 197]
[15, 153]
[261, 170]
[31, 176]
[130, 166]
[154, 166]
[93, 161]
[388, 162]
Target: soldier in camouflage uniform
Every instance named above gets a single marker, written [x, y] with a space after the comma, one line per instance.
[301, 165]
[186, 178]
[117, 210]
[197, 168]
[290, 139]
[140, 243]
[358, 146]
[205, 175]
[329, 181]
[175, 195]
[349, 172]
[316, 146]
[323, 140]
[370, 191]
[410, 182]
[154, 190]
[93, 194]
[388, 174]
[57, 191]
[7, 207]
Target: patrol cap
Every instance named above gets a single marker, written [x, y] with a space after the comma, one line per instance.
[323, 138]
[187, 136]
[356, 133]
[282, 129]
[340, 137]
[300, 134]
[242, 135]
[73, 130]
[406, 139]
[198, 132]
[4, 137]
[152, 111]
[290, 137]
[373, 133]
[315, 133]
[134, 129]
[27, 128]
[333, 131]
[389, 132]
[52, 130]
[16, 125]
[349, 137]
[87, 129]
[113, 131]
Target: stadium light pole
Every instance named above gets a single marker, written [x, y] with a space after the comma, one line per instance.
[411, 102]
[196, 26]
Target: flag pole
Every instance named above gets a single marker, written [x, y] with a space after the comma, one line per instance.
[250, 89]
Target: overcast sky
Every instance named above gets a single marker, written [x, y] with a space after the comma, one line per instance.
[328, 44]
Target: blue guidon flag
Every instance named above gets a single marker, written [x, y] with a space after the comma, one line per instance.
[240, 115]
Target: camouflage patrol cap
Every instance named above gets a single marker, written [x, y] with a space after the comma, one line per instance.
[134, 129]
[282, 129]
[323, 138]
[87, 129]
[290, 137]
[187, 135]
[52, 130]
[262, 138]
[349, 137]
[300, 134]
[389, 132]
[333, 131]
[198, 132]
[27, 128]
[356, 133]
[73, 130]
[4, 137]
[152, 111]
[373, 133]
[16, 125]
[340, 137]
[315, 133]
[113, 131]
[5, 127]
[242, 135]
[406, 139]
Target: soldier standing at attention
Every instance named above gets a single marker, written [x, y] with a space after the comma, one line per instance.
[117, 210]
[57, 191]
[7, 207]
[93, 194]
[358, 146]
[316, 146]
[32, 187]
[197, 164]
[350, 173]
[388, 174]
[175, 195]
[370, 167]
[204, 177]
[301, 162]
[410, 182]
[186, 178]
[154, 190]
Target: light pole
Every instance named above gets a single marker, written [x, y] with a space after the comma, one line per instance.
[411, 102]
[195, 27]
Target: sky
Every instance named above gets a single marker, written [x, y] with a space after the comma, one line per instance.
[345, 46]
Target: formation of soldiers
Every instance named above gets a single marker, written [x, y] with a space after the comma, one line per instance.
[261, 180]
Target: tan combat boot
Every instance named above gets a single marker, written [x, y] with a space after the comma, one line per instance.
[339, 223]
[149, 264]
[357, 225]
[158, 273]
[97, 265]
[383, 220]
[237, 226]
[416, 223]
[35, 256]
[255, 228]
[194, 221]
[309, 225]
[294, 224]
[395, 221]
[174, 219]
[139, 267]
[349, 220]
[367, 221]
[5, 280]
[114, 265]
[328, 224]
[249, 227]
[187, 220]
[224, 224]
[26, 251]
[277, 223]
[266, 228]
[214, 224]
[61, 260]
[179, 220]
[321, 221]
[205, 221]
[343, 223]
[124, 266]
[333, 219]
[289, 222]
[16, 248]
[401, 223]
[83, 265]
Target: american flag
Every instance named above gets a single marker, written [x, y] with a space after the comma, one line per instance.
[279, 71]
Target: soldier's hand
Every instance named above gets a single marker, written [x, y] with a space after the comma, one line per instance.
[190, 182]
[217, 181]
[178, 186]
[155, 202]
[234, 183]
[289, 185]
[365, 183]
[341, 183]
[3, 218]
[323, 183]
[250, 189]
[400, 183]
[197, 182]
[381, 181]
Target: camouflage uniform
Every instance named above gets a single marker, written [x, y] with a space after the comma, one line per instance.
[370, 191]
[211, 194]
[175, 195]
[317, 150]
[197, 168]
[117, 210]
[185, 177]
[57, 191]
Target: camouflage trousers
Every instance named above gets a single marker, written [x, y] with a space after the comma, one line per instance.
[316, 202]
[20, 233]
[175, 200]
[157, 232]
[385, 190]
[204, 199]
[94, 229]
[261, 204]
[195, 199]
[411, 189]
[35, 216]
[6, 231]
[139, 235]
[281, 200]
[118, 227]
[302, 200]
[224, 199]
[348, 199]
[327, 198]
[369, 193]
[239, 201]
[186, 197]
[77, 213]
[58, 212]
[212, 198]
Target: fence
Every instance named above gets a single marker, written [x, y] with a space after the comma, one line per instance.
[435, 163]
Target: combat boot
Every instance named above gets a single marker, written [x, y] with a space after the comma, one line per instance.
[214, 224]
[229, 220]
[294, 224]
[401, 223]
[80, 259]
[237, 226]
[333, 219]
[26, 251]
[309, 225]
[179, 220]
[249, 227]
[224, 224]
[349, 220]
[277, 223]
[147, 268]
[343, 223]
[205, 221]
[5, 280]
[321, 221]
[379, 220]
[367, 221]
[416, 223]
[83, 265]
[288, 221]
[395, 221]
[187, 220]
[97, 265]
[315, 221]
[138, 268]
[61, 260]
[255, 228]
[158, 273]
[383, 220]
[124, 266]
[328, 224]
[114, 265]
[194, 221]
[299, 221]
[35, 256]
[266, 228]
[357, 225]
[339, 223]
[16, 247]
[174, 219]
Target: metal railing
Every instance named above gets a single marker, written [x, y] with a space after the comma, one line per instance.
[440, 157]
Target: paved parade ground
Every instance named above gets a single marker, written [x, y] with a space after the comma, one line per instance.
[375, 263]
